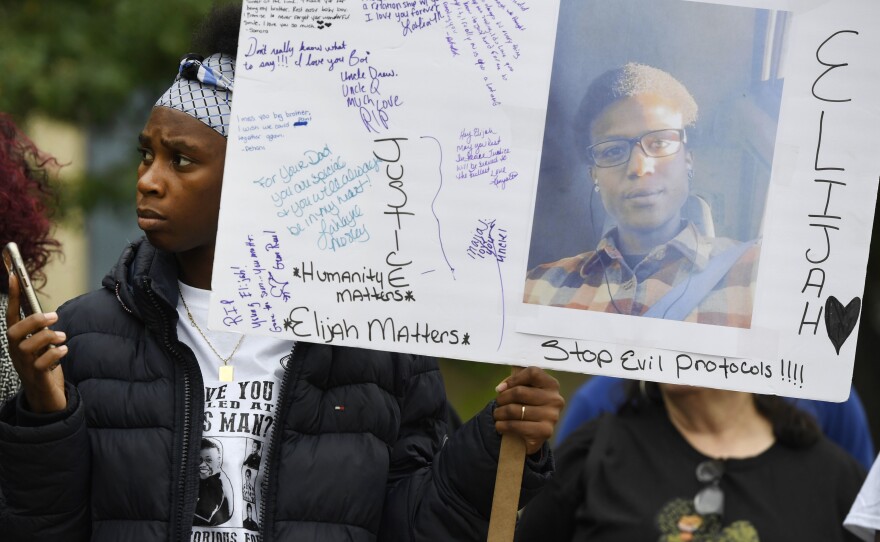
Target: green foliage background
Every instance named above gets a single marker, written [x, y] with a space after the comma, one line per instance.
[80, 60]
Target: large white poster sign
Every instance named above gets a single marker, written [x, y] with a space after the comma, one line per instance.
[444, 178]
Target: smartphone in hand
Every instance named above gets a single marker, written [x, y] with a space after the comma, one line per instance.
[15, 266]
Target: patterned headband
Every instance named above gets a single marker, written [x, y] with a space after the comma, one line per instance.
[203, 89]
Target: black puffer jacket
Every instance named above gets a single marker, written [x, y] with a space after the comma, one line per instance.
[121, 462]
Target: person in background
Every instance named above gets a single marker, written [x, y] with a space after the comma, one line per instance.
[864, 518]
[26, 203]
[844, 423]
[680, 463]
[103, 442]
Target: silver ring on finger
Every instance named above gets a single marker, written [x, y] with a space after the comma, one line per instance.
[522, 416]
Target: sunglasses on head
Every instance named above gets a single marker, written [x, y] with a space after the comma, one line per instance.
[710, 499]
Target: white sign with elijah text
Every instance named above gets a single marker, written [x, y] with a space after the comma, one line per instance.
[396, 169]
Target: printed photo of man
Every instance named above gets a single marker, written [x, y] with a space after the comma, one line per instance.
[247, 487]
[249, 523]
[253, 459]
[655, 164]
[214, 505]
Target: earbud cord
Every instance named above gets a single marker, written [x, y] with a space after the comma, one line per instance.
[604, 269]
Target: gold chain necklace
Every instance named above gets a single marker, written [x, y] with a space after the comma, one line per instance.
[226, 370]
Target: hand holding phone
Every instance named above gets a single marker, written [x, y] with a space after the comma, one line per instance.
[31, 342]
[15, 266]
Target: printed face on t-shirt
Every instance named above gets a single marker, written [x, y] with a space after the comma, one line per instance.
[211, 462]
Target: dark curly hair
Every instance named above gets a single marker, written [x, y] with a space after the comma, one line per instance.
[27, 201]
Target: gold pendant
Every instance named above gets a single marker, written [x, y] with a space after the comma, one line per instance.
[226, 373]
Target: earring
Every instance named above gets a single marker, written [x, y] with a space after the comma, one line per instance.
[595, 186]
[690, 174]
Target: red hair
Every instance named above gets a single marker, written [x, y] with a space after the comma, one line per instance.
[27, 200]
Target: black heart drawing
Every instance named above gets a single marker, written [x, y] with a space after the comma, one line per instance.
[840, 321]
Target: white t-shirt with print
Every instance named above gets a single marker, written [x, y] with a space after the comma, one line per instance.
[239, 422]
[863, 519]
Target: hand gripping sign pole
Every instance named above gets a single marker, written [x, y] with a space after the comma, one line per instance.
[508, 480]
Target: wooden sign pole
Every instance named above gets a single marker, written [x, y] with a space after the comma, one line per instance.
[508, 481]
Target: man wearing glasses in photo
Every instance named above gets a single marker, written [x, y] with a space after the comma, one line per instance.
[655, 261]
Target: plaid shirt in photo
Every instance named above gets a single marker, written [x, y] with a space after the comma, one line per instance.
[601, 280]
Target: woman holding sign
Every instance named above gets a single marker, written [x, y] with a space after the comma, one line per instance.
[655, 261]
[143, 424]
